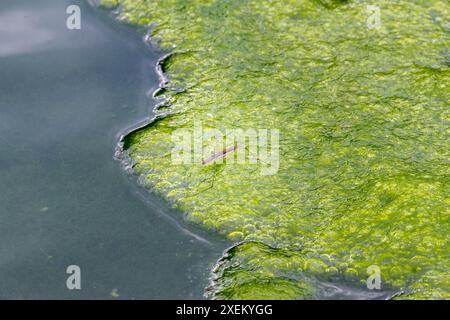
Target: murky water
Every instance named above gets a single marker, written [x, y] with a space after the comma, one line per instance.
[65, 96]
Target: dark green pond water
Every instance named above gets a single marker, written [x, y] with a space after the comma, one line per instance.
[65, 98]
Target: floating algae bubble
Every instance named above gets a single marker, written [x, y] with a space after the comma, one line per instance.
[363, 119]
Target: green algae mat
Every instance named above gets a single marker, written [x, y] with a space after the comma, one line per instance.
[358, 91]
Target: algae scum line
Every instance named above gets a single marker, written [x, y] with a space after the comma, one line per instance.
[352, 97]
[64, 97]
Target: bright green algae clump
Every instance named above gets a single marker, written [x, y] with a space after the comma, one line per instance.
[363, 120]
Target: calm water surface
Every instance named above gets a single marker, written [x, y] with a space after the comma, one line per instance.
[65, 96]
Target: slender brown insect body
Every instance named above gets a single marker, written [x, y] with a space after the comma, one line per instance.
[220, 154]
